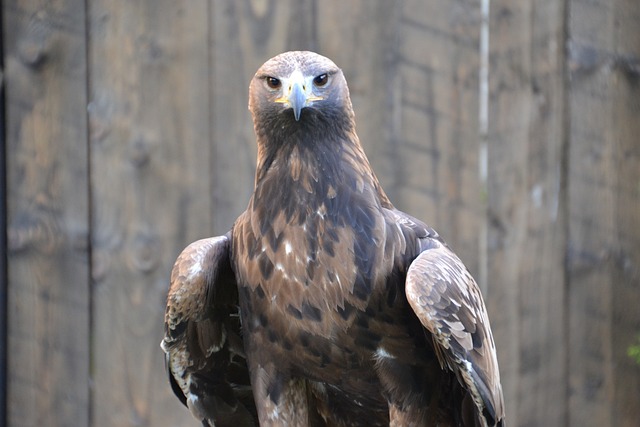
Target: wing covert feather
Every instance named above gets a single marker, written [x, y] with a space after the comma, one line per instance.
[202, 343]
[448, 303]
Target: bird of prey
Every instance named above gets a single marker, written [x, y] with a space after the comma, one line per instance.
[325, 305]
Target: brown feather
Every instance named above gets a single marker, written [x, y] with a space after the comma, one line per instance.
[201, 336]
[448, 303]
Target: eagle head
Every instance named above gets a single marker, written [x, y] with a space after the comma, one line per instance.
[298, 89]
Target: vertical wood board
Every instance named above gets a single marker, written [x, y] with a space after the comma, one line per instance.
[4, 282]
[604, 206]
[47, 213]
[526, 213]
[150, 153]
[435, 120]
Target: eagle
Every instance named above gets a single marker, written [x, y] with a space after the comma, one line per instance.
[324, 305]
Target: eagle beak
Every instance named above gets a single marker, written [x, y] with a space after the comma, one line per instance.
[298, 94]
[297, 99]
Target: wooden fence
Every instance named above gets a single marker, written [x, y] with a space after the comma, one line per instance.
[512, 127]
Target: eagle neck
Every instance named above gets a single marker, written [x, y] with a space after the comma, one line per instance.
[313, 143]
[303, 170]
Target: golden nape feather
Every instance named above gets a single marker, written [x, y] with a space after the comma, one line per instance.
[325, 305]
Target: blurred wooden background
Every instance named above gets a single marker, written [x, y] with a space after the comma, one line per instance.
[511, 127]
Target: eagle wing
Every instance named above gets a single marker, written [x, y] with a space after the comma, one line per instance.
[448, 303]
[202, 343]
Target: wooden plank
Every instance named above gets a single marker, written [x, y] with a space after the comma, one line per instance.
[4, 285]
[243, 36]
[604, 206]
[434, 98]
[150, 152]
[526, 196]
[47, 213]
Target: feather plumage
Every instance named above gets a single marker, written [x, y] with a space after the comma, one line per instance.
[352, 312]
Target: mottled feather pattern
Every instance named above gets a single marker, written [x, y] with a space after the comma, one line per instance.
[325, 305]
[204, 351]
[448, 302]
[188, 295]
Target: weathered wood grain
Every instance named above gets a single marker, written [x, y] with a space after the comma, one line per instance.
[604, 212]
[243, 36]
[527, 205]
[435, 120]
[4, 282]
[47, 213]
[150, 153]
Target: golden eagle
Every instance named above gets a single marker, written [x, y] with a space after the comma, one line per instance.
[325, 305]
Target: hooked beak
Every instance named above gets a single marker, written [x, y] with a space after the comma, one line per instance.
[297, 94]
[297, 99]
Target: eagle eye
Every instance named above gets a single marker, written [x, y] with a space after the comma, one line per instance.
[273, 83]
[321, 80]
